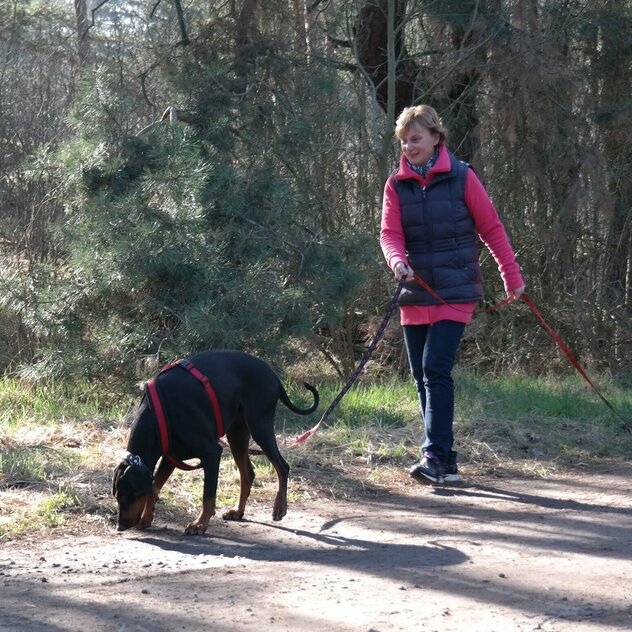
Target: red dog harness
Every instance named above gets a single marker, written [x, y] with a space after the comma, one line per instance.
[159, 411]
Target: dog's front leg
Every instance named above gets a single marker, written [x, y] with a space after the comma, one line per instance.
[162, 474]
[210, 465]
[200, 524]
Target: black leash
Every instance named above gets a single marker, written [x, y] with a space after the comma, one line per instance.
[354, 376]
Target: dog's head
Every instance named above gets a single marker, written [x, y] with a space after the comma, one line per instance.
[131, 484]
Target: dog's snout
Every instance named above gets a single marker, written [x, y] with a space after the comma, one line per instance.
[123, 523]
[127, 520]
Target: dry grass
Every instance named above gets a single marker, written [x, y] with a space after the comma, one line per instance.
[58, 478]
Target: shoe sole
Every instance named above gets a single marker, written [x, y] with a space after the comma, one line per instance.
[451, 478]
[425, 479]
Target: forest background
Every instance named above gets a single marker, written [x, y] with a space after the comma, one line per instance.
[177, 175]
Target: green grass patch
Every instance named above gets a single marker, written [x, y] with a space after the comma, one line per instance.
[45, 511]
[387, 404]
[52, 510]
[20, 465]
[546, 419]
[23, 402]
[526, 424]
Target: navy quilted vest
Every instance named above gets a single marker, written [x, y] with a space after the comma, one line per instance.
[441, 240]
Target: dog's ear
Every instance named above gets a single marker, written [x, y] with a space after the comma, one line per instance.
[118, 473]
[134, 475]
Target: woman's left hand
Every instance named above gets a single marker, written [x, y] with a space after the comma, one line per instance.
[517, 293]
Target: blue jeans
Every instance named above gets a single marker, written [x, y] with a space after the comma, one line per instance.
[431, 353]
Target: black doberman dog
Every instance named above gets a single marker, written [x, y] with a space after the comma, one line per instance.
[247, 391]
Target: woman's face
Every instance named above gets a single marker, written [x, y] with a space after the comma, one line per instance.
[418, 144]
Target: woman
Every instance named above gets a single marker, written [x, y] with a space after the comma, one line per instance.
[434, 210]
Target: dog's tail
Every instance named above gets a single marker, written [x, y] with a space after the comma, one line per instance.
[295, 409]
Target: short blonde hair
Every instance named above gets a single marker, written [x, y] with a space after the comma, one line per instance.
[424, 115]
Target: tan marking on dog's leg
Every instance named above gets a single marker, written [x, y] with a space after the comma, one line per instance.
[200, 524]
[147, 517]
[238, 440]
[162, 474]
[246, 477]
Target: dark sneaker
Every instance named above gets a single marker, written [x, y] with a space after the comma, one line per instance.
[428, 470]
[451, 469]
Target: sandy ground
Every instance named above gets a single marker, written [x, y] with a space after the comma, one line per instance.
[486, 556]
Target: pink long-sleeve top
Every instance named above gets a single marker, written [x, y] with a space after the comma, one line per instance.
[487, 224]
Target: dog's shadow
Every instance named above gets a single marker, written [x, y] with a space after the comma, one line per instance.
[304, 545]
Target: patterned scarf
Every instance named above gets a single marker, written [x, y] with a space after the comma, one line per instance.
[423, 170]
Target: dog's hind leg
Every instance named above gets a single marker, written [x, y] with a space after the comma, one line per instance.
[165, 468]
[263, 433]
[238, 437]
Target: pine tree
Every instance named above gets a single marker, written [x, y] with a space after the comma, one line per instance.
[186, 237]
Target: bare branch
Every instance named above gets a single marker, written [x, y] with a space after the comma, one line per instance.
[184, 36]
[154, 8]
[93, 11]
[172, 115]
[314, 5]
[143, 78]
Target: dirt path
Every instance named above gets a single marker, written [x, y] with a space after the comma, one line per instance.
[491, 556]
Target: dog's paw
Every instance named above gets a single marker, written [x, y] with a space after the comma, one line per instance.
[196, 528]
[279, 510]
[145, 521]
[233, 514]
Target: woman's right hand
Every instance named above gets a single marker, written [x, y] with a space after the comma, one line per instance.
[402, 271]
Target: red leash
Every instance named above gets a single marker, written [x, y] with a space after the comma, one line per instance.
[354, 376]
[372, 346]
[434, 294]
[560, 343]
[556, 337]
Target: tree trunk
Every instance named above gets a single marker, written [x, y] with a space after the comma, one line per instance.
[615, 127]
[245, 52]
[83, 26]
[371, 44]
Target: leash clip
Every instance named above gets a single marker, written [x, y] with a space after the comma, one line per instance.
[133, 459]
